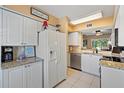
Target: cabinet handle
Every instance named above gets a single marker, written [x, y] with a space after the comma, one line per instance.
[28, 65]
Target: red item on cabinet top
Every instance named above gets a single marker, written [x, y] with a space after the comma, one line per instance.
[45, 23]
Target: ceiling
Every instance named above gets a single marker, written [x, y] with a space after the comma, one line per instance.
[75, 12]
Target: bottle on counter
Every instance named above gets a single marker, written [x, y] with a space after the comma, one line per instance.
[97, 49]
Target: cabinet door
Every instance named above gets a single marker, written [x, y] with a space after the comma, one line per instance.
[94, 65]
[27, 76]
[13, 78]
[0, 79]
[117, 22]
[112, 78]
[33, 75]
[39, 26]
[74, 38]
[36, 75]
[30, 32]
[12, 28]
[90, 63]
[121, 27]
[85, 58]
[0, 26]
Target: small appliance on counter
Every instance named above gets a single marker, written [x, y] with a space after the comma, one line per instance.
[7, 53]
[30, 51]
[25, 52]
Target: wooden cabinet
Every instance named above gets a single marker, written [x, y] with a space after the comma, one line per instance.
[89, 63]
[18, 30]
[30, 32]
[112, 77]
[27, 76]
[75, 39]
[12, 28]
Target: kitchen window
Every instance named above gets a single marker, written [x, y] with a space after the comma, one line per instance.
[101, 43]
[84, 43]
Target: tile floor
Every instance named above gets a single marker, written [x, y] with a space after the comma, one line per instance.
[78, 79]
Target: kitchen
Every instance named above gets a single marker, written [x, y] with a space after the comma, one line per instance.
[57, 52]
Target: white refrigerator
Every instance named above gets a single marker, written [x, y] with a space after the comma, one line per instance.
[52, 48]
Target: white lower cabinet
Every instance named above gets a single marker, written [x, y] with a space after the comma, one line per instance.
[13, 77]
[27, 76]
[112, 77]
[89, 63]
[33, 75]
[0, 79]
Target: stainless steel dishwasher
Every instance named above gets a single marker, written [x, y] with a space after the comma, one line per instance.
[75, 61]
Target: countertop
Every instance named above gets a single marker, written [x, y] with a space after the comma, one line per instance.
[103, 53]
[112, 64]
[20, 62]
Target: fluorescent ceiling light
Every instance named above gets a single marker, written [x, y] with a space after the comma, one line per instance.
[88, 18]
[98, 33]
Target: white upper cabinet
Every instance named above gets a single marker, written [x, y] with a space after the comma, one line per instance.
[121, 26]
[117, 20]
[75, 39]
[39, 26]
[30, 32]
[18, 30]
[12, 28]
[0, 26]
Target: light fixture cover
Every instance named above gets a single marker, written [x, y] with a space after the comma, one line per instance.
[88, 18]
[98, 33]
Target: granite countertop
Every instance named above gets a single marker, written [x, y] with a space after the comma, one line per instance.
[112, 64]
[20, 62]
[103, 53]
